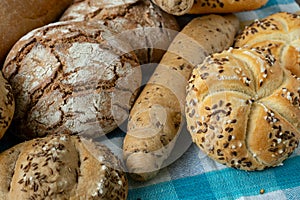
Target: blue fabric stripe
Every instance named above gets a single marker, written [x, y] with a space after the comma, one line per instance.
[278, 2]
[225, 184]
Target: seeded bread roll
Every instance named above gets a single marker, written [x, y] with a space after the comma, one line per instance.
[7, 105]
[71, 77]
[61, 167]
[225, 6]
[157, 116]
[19, 17]
[277, 34]
[143, 25]
[175, 7]
[243, 109]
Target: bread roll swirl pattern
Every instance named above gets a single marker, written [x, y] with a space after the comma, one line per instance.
[243, 109]
[277, 34]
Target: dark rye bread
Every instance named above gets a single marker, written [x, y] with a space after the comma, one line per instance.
[61, 167]
[19, 17]
[71, 78]
[277, 34]
[143, 25]
[7, 105]
[243, 109]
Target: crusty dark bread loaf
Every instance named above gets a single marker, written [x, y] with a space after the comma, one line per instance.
[71, 77]
[143, 25]
[19, 17]
[277, 34]
[7, 105]
[243, 109]
[61, 167]
[157, 116]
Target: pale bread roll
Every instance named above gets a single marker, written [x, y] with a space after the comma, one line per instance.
[61, 167]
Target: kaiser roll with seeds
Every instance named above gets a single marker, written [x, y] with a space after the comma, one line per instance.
[61, 167]
[7, 105]
[71, 77]
[147, 28]
[278, 34]
[243, 109]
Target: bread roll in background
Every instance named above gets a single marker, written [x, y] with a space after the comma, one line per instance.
[71, 77]
[175, 7]
[19, 17]
[61, 167]
[225, 6]
[243, 109]
[278, 34]
[147, 28]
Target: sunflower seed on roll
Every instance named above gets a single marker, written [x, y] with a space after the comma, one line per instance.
[61, 167]
[238, 110]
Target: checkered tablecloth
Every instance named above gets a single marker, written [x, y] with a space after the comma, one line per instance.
[196, 176]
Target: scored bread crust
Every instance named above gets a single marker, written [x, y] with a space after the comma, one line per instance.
[277, 34]
[71, 77]
[143, 25]
[243, 109]
[225, 6]
[61, 167]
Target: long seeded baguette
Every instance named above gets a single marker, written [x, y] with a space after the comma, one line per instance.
[156, 118]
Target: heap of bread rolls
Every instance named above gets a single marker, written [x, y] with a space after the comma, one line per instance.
[73, 74]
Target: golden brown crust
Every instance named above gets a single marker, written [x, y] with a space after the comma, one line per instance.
[61, 167]
[19, 17]
[225, 6]
[278, 34]
[156, 118]
[237, 112]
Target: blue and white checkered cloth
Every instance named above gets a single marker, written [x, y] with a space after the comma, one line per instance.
[195, 176]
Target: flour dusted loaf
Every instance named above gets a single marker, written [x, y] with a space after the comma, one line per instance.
[19, 17]
[143, 25]
[243, 109]
[278, 34]
[7, 105]
[61, 167]
[71, 78]
[175, 7]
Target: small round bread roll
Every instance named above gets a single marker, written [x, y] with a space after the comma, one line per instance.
[61, 167]
[243, 109]
[147, 28]
[7, 105]
[277, 34]
[71, 78]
